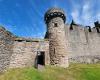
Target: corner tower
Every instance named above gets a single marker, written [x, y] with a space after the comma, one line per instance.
[55, 20]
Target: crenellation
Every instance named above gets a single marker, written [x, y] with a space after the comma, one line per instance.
[63, 44]
[89, 28]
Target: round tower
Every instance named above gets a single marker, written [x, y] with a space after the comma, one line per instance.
[55, 20]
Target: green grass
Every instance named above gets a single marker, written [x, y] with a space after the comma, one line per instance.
[74, 72]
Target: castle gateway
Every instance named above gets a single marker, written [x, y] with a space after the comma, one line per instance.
[63, 44]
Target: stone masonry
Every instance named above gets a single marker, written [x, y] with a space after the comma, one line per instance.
[6, 41]
[25, 52]
[55, 19]
[63, 44]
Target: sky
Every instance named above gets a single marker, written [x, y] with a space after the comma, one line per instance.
[25, 18]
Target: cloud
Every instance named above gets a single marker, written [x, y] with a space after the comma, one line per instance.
[98, 16]
[75, 12]
[87, 13]
[75, 15]
[84, 13]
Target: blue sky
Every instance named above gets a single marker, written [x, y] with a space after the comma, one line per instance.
[26, 17]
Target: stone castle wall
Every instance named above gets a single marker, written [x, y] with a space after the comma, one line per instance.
[6, 41]
[83, 46]
[25, 53]
[20, 52]
[58, 48]
[73, 43]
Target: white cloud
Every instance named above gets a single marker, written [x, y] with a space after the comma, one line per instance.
[75, 15]
[87, 13]
[84, 13]
[98, 16]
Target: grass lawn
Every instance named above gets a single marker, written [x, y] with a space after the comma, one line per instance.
[74, 72]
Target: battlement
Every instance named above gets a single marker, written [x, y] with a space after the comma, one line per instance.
[54, 12]
[95, 29]
[63, 43]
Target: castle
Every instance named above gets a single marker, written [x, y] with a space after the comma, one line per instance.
[63, 44]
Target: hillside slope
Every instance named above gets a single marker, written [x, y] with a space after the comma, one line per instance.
[74, 72]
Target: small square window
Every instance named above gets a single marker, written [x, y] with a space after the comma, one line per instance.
[55, 25]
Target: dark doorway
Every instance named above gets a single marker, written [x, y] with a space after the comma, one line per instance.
[41, 58]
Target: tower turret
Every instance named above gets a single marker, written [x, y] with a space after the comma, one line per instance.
[55, 20]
